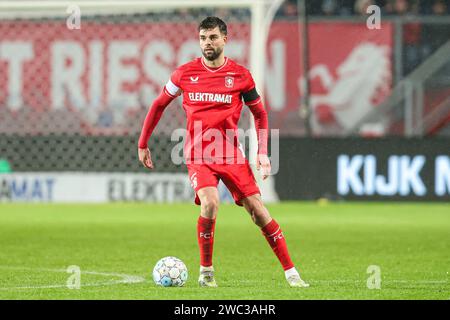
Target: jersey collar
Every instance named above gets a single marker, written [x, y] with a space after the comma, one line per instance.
[214, 69]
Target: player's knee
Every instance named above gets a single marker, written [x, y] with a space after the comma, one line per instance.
[261, 216]
[257, 210]
[257, 206]
[254, 217]
[210, 207]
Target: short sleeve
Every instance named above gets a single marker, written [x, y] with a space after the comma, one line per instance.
[249, 82]
[176, 78]
[173, 86]
[249, 93]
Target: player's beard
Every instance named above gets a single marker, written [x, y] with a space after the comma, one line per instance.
[211, 56]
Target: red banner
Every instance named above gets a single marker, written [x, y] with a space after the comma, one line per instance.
[101, 79]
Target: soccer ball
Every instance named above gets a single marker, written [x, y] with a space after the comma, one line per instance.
[170, 272]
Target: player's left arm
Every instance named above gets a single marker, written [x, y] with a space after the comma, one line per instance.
[254, 102]
[170, 92]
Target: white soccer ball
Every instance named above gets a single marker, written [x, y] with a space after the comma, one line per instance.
[170, 272]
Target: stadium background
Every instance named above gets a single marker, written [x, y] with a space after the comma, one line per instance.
[376, 125]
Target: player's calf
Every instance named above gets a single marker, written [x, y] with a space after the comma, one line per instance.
[274, 236]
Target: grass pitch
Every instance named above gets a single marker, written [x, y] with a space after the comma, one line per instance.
[117, 245]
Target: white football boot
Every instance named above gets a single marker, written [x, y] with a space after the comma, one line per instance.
[294, 280]
[206, 278]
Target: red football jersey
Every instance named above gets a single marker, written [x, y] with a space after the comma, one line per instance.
[212, 100]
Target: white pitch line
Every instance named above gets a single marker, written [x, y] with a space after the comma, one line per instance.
[384, 280]
[125, 278]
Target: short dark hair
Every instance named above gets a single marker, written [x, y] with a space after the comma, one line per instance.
[211, 23]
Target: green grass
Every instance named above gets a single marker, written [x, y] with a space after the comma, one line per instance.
[332, 244]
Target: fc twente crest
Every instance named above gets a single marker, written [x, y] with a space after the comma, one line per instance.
[229, 82]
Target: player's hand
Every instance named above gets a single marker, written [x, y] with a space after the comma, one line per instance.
[263, 162]
[145, 157]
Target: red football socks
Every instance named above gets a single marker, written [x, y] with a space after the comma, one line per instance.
[205, 236]
[274, 236]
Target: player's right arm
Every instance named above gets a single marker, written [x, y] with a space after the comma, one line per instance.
[170, 92]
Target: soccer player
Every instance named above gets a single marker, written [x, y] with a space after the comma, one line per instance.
[213, 87]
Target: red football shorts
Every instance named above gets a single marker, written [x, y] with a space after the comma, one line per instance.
[238, 178]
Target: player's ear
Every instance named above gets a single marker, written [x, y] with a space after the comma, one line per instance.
[225, 39]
